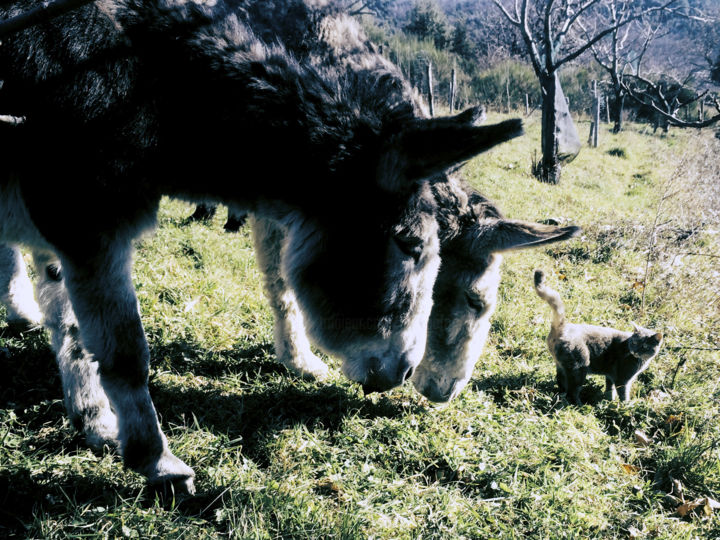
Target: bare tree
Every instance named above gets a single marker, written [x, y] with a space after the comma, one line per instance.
[667, 99]
[555, 33]
[675, 90]
[625, 46]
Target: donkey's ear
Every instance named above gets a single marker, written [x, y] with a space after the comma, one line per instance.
[506, 234]
[425, 147]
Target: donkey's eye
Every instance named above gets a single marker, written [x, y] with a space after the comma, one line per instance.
[477, 303]
[412, 247]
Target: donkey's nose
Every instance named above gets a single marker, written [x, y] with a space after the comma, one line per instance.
[379, 380]
[405, 371]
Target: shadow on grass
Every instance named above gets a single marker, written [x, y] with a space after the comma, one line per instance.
[259, 413]
[29, 372]
[24, 497]
[266, 405]
[540, 392]
[188, 356]
[254, 411]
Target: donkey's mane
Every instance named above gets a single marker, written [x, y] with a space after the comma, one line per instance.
[459, 207]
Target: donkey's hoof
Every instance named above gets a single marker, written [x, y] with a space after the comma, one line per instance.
[98, 440]
[174, 488]
[100, 426]
[315, 369]
[308, 367]
[172, 477]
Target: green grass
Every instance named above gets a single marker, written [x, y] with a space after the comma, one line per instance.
[279, 457]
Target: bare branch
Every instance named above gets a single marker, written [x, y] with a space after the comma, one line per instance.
[619, 24]
[570, 21]
[547, 38]
[670, 114]
[509, 17]
[521, 22]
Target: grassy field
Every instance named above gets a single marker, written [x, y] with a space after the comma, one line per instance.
[279, 457]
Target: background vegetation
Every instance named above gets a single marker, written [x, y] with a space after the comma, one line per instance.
[491, 59]
[279, 457]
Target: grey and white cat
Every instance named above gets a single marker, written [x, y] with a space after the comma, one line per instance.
[579, 349]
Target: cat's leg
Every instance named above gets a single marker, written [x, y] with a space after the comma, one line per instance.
[103, 300]
[561, 379]
[85, 400]
[610, 390]
[292, 347]
[624, 388]
[16, 289]
[575, 380]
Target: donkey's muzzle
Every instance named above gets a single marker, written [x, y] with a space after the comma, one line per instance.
[436, 394]
[380, 380]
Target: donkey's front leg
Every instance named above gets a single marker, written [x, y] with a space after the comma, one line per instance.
[85, 401]
[292, 347]
[16, 289]
[103, 299]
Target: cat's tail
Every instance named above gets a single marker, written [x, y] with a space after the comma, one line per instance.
[551, 297]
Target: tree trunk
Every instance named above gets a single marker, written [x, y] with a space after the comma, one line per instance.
[549, 169]
[559, 138]
[619, 110]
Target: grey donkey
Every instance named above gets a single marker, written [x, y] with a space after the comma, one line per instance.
[473, 236]
[111, 83]
[579, 349]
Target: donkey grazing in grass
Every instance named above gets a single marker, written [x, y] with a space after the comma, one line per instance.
[473, 234]
[127, 100]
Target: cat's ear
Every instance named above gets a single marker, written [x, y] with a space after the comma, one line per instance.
[497, 235]
[659, 337]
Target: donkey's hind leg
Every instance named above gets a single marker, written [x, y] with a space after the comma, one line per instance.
[86, 403]
[292, 347]
[16, 289]
[103, 299]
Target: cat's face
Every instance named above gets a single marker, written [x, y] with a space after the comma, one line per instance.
[645, 343]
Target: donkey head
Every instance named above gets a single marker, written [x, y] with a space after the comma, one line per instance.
[465, 293]
[352, 154]
[363, 263]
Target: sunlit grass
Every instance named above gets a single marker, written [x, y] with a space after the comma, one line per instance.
[279, 457]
